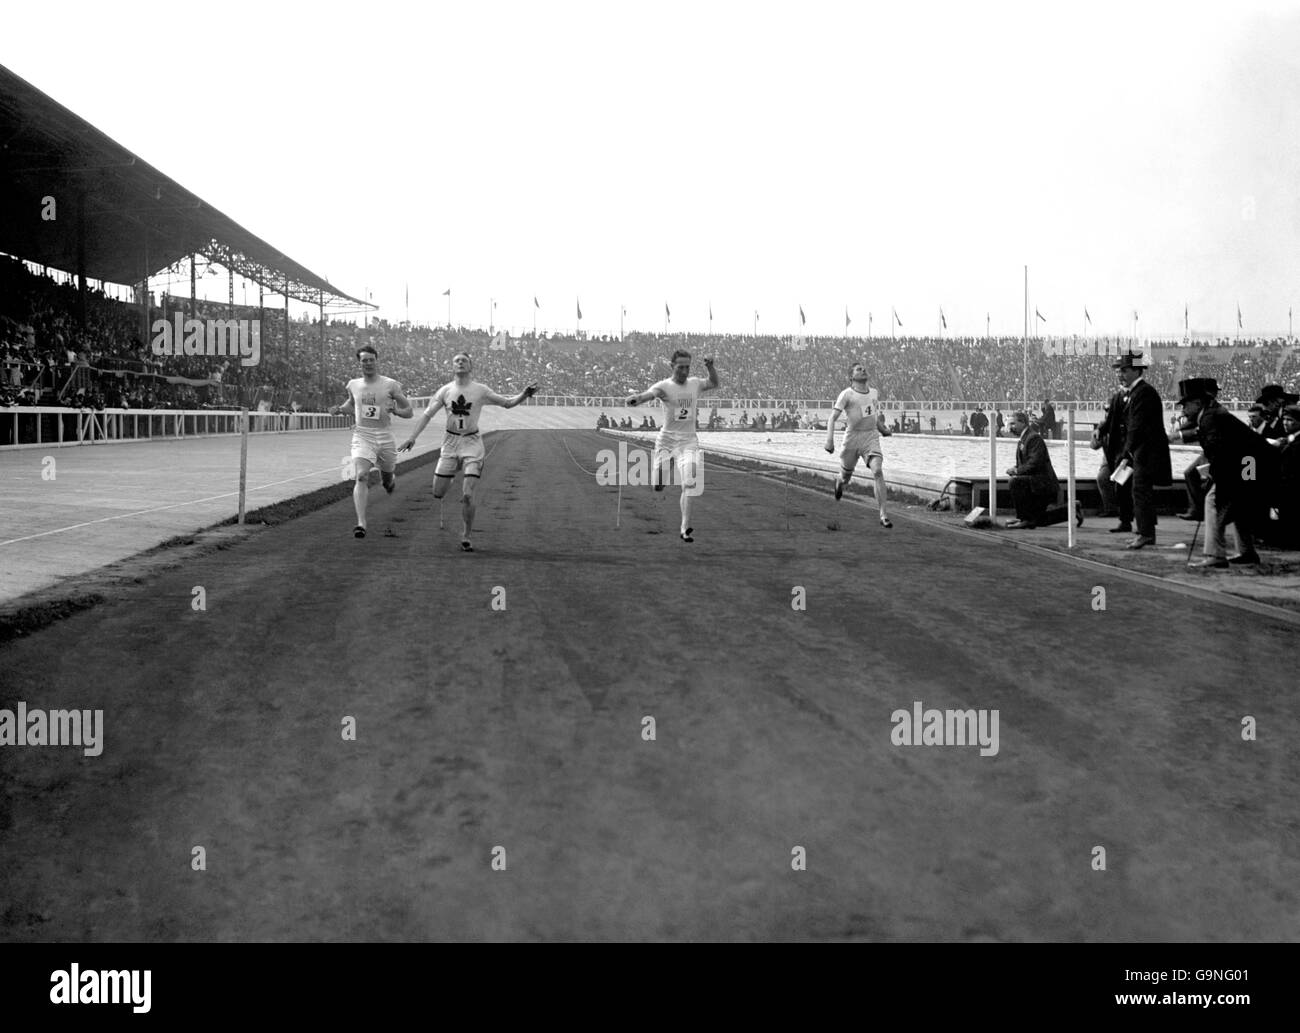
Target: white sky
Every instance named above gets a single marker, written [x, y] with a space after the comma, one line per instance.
[752, 155]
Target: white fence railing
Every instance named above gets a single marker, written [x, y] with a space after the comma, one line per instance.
[33, 426]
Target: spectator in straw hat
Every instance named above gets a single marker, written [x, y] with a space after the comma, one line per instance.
[1146, 446]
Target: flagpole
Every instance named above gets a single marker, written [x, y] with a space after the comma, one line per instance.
[869, 318]
[1024, 354]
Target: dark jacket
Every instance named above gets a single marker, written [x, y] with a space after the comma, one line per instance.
[1047, 422]
[1111, 431]
[1227, 443]
[1033, 461]
[1146, 442]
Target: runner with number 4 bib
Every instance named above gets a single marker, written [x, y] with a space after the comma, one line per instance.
[462, 447]
[372, 399]
[678, 440]
[864, 423]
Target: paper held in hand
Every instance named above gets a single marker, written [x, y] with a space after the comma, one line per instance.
[1122, 473]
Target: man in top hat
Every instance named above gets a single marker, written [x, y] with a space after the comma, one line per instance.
[1146, 447]
[1033, 481]
[1242, 468]
[1273, 397]
[1192, 480]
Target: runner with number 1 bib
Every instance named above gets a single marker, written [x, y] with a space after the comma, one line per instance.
[462, 447]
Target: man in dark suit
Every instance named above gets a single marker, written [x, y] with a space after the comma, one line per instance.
[1146, 446]
[1047, 422]
[1243, 469]
[1287, 496]
[1033, 481]
[1192, 481]
[1273, 397]
[1109, 436]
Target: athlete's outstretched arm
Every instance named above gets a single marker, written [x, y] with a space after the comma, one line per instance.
[830, 430]
[714, 382]
[429, 414]
[509, 403]
[644, 396]
[403, 407]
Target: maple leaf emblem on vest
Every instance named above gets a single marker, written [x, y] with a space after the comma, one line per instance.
[460, 407]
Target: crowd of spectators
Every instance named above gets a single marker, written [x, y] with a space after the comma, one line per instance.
[48, 357]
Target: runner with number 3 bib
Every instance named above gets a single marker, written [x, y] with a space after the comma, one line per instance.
[678, 440]
[463, 398]
[372, 398]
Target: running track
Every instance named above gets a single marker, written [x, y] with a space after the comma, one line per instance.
[522, 729]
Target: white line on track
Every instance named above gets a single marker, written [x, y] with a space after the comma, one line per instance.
[160, 509]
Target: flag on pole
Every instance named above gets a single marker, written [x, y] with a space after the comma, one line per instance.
[1135, 315]
[847, 320]
[896, 319]
[667, 312]
[710, 312]
[408, 295]
[536, 303]
[1039, 314]
[447, 293]
[942, 318]
[802, 320]
[1239, 315]
[1087, 318]
[579, 300]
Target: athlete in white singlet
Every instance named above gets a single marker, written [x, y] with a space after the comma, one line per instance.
[678, 441]
[462, 446]
[372, 398]
[864, 423]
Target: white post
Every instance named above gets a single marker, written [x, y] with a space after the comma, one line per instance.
[993, 466]
[243, 459]
[1069, 480]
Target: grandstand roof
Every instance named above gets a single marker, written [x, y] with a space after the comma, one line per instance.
[137, 220]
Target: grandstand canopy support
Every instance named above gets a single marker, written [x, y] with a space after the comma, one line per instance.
[77, 200]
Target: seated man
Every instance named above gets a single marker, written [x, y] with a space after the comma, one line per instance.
[1034, 486]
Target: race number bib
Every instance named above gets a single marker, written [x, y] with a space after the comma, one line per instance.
[683, 413]
[370, 412]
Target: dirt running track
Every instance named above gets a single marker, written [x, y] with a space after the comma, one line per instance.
[480, 728]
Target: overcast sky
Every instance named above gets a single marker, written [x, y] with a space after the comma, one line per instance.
[751, 156]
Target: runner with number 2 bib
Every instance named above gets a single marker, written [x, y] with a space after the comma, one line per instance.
[678, 440]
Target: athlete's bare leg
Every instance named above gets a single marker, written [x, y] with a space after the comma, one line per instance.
[361, 492]
[467, 508]
[877, 470]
